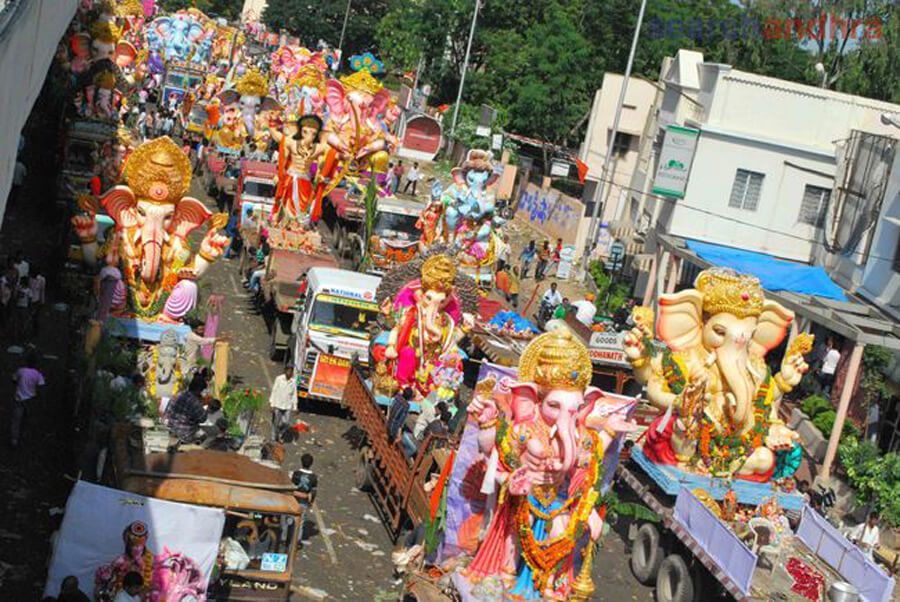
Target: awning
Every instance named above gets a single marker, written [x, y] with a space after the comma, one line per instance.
[774, 274]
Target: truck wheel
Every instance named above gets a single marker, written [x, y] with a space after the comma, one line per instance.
[674, 582]
[274, 351]
[646, 554]
[364, 471]
[340, 240]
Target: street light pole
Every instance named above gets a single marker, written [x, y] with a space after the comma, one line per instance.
[592, 230]
[462, 79]
[343, 31]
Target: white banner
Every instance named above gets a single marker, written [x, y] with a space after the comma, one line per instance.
[107, 533]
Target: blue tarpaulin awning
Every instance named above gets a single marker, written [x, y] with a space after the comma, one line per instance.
[774, 274]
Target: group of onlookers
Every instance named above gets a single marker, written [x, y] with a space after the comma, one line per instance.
[22, 293]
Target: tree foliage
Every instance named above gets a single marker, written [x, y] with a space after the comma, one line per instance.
[229, 9]
[314, 21]
[542, 60]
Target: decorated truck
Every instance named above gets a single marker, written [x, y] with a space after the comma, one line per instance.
[330, 330]
[255, 192]
[394, 238]
[280, 290]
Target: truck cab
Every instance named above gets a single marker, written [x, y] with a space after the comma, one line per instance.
[256, 187]
[331, 328]
[395, 238]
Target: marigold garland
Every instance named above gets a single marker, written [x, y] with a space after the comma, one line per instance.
[151, 375]
[545, 558]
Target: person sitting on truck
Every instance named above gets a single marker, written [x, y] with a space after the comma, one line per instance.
[256, 154]
[256, 275]
[186, 413]
[426, 416]
[867, 535]
[439, 426]
[398, 413]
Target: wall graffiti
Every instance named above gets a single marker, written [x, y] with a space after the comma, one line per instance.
[550, 211]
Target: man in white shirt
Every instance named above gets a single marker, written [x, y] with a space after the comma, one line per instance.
[283, 401]
[552, 297]
[867, 535]
[829, 367]
[192, 344]
[412, 178]
[502, 251]
[585, 310]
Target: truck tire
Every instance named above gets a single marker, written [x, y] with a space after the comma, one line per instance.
[674, 582]
[274, 351]
[646, 554]
[338, 240]
[364, 471]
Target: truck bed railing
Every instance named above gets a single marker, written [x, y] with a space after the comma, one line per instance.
[397, 484]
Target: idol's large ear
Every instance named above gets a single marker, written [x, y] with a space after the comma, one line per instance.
[591, 395]
[524, 401]
[121, 206]
[771, 328]
[680, 321]
[189, 215]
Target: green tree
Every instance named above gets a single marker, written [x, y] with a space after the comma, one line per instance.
[229, 9]
[314, 21]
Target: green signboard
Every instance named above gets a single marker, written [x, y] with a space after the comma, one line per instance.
[675, 161]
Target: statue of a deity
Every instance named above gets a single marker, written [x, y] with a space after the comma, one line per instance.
[720, 399]
[468, 206]
[297, 200]
[359, 121]
[162, 368]
[428, 325]
[546, 443]
[153, 220]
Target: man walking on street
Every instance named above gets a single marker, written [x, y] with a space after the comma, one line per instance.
[398, 175]
[28, 379]
[413, 178]
[283, 401]
[527, 258]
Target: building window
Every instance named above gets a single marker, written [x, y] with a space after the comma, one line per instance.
[812, 209]
[745, 191]
[622, 144]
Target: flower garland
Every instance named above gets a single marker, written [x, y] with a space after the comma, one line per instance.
[151, 375]
[545, 558]
[719, 450]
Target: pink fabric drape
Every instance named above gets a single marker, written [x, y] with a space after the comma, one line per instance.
[211, 326]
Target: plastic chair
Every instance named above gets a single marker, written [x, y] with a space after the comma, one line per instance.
[766, 541]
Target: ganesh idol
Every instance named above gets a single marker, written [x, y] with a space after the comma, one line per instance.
[428, 314]
[153, 219]
[298, 201]
[468, 219]
[549, 443]
[719, 399]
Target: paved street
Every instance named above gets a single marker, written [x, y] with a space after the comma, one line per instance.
[361, 567]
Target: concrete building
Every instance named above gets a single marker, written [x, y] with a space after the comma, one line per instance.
[639, 101]
[765, 158]
[29, 35]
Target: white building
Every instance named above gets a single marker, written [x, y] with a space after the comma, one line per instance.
[639, 101]
[765, 159]
[862, 224]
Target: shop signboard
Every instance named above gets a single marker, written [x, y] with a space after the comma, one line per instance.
[675, 161]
